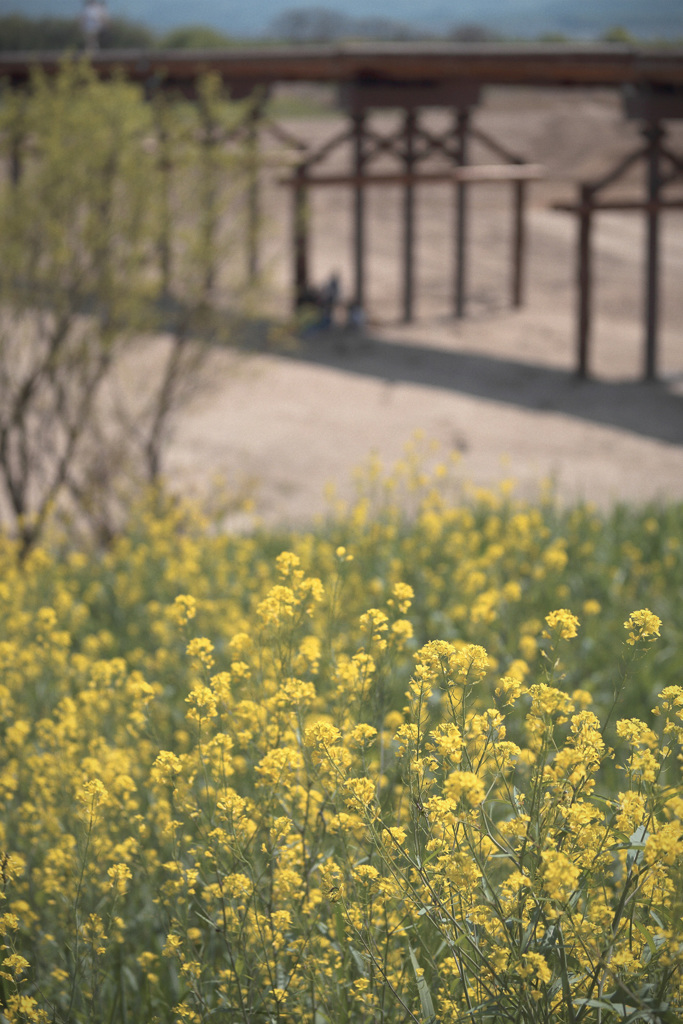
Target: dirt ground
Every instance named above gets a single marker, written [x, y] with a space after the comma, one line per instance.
[497, 386]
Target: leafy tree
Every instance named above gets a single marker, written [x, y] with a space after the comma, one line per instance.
[111, 227]
[618, 34]
[18, 32]
[121, 34]
[473, 33]
[384, 28]
[194, 37]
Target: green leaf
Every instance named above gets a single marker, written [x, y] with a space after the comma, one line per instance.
[358, 959]
[596, 1004]
[647, 935]
[635, 850]
[518, 800]
[426, 1004]
[339, 926]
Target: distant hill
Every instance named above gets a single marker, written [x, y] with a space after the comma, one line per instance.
[643, 18]
[517, 18]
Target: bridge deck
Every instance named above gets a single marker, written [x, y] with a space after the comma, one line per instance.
[494, 64]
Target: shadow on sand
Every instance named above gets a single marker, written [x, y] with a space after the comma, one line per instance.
[650, 409]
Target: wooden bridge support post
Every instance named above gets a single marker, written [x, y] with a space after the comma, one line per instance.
[17, 134]
[253, 191]
[654, 134]
[518, 243]
[164, 164]
[584, 279]
[409, 218]
[15, 159]
[359, 211]
[460, 283]
[301, 216]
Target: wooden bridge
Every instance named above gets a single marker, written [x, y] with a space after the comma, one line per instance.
[411, 78]
[485, 64]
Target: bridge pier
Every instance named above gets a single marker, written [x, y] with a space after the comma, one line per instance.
[662, 167]
[411, 147]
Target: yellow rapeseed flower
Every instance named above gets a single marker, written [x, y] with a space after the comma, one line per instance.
[642, 625]
[564, 623]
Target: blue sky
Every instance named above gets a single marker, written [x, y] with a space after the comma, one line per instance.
[523, 17]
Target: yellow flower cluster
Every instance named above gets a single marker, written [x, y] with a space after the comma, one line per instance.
[642, 625]
[278, 797]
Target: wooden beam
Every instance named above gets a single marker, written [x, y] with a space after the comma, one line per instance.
[252, 144]
[584, 288]
[300, 232]
[359, 211]
[647, 205]
[471, 174]
[409, 126]
[489, 174]
[654, 134]
[518, 242]
[462, 131]
[371, 94]
[487, 63]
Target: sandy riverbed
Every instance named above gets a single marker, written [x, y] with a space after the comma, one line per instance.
[498, 386]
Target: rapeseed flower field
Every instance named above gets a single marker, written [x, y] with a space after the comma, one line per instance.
[419, 763]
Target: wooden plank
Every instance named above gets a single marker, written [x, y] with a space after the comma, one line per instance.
[472, 173]
[492, 173]
[620, 204]
[372, 95]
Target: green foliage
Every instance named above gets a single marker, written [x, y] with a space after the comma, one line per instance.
[239, 783]
[618, 34]
[194, 37]
[121, 34]
[113, 225]
[20, 33]
[75, 227]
